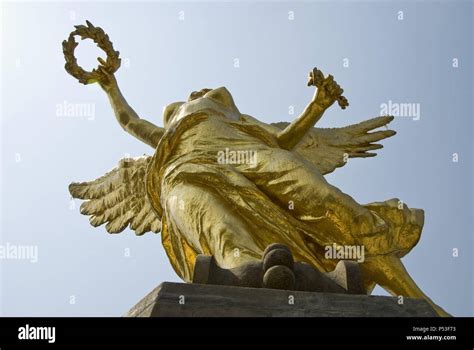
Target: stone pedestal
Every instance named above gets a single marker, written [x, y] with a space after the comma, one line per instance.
[201, 300]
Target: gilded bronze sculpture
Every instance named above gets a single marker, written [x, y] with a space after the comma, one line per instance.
[223, 184]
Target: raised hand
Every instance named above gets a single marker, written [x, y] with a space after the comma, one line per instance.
[104, 73]
[106, 79]
[328, 91]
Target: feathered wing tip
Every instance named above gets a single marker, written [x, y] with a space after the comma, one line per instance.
[119, 198]
[331, 148]
[362, 140]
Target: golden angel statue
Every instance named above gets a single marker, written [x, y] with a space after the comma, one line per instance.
[205, 197]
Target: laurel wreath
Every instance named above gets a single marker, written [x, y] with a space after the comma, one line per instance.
[102, 40]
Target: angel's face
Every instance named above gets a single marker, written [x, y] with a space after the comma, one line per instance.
[206, 100]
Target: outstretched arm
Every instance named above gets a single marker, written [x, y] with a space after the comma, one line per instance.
[293, 133]
[328, 91]
[128, 119]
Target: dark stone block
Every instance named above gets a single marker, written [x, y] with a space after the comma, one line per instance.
[200, 300]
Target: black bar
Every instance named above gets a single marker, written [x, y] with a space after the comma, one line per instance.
[383, 333]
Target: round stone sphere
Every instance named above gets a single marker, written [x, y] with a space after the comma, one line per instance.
[278, 257]
[279, 277]
[274, 246]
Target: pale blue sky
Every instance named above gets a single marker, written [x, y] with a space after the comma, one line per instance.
[165, 58]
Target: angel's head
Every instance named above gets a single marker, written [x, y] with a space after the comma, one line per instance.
[205, 100]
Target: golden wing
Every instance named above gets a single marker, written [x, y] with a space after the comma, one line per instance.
[329, 149]
[119, 198]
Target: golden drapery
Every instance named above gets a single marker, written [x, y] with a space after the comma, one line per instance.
[231, 211]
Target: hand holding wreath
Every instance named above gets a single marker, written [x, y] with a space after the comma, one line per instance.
[102, 74]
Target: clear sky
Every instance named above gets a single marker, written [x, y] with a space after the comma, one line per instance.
[262, 53]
